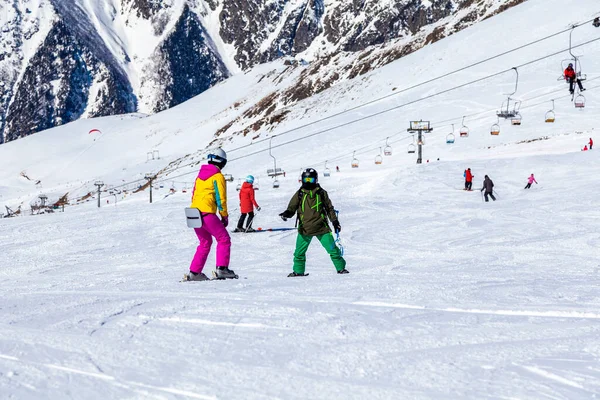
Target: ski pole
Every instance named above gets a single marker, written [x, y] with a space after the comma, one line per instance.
[481, 195]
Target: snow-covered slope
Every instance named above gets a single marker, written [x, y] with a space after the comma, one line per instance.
[448, 296]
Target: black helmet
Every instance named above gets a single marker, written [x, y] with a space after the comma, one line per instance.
[571, 65]
[310, 175]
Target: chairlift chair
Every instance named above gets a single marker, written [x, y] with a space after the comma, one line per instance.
[354, 160]
[412, 148]
[387, 151]
[550, 115]
[507, 112]
[379, 158]
[326, 171]
[579, 101]
[450, 138]
[256, 184]
[275, 171]
[275, 184]
[228, 177]
[516, 120]
[495, 131]
[239, 185]
[464, 130]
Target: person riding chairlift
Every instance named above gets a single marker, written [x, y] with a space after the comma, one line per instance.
[571, 77]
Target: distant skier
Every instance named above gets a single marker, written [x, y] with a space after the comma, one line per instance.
[571, 77]
[468, 179]
[530, 180]
[337, 168]
[313, 208]
[591, 143]
[488, 186]
[584, 148]
[247, 205]
[596, 22]
[210, 196]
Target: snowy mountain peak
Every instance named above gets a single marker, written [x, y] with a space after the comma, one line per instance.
[119, 56]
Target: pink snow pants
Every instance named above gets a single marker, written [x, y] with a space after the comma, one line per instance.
[211, 226]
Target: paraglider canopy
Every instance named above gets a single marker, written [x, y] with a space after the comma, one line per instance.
[94, 131]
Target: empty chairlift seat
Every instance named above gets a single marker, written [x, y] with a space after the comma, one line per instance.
[495, 131]
[274, 172]
[580, 101]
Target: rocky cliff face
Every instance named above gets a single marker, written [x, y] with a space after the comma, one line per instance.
[61, 60]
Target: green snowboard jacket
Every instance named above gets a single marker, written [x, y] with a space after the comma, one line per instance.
[313, 207]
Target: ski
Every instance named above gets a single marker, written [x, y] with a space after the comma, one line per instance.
[214, 278]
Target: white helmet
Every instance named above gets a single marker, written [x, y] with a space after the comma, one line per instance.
[218, 155]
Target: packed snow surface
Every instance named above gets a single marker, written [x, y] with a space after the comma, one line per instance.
[448, 297]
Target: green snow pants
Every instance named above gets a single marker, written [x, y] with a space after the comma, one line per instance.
[327, 241]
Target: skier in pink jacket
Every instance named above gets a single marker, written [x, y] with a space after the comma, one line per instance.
[530, 180]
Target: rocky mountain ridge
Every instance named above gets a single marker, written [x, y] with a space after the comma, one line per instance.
[61, 60]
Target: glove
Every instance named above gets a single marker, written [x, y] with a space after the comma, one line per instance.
[225, 221]
[257, 208]
[481, 190]
[336, 226]
[285, 215]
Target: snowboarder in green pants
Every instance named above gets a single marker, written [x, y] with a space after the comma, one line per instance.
[313, 208]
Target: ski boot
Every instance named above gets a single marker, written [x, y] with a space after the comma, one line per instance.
[192, 276]
[294, 274]
[237, 230]
[250, 230]
[344, 271]
[225, 273]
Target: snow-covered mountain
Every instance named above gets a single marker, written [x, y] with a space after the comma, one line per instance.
[61, 60]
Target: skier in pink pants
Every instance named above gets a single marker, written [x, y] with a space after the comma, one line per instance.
[210, 196]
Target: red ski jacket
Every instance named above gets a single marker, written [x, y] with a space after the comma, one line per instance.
[570, 73]
[468, 176]
[591, 143]
[247, 201]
